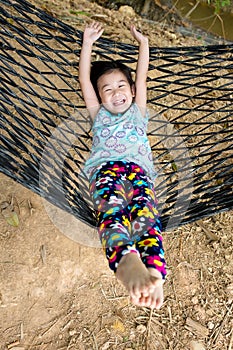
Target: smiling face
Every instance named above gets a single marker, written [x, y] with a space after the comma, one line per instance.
[115, 91]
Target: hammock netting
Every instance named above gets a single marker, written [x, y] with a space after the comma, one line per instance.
[45, 134]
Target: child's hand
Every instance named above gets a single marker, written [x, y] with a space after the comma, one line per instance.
[92, 32]
[137, 35]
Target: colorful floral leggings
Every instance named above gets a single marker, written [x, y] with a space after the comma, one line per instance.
[127, 218]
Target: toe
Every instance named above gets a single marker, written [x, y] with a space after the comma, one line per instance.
[145, 301]
[159, 303]
[136, 292]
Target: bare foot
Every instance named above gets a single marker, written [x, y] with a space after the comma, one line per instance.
[155, 299]
[140, 282]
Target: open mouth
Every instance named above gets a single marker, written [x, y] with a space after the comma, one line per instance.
[119, 102]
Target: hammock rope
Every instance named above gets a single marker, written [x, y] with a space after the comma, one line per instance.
[45, 133]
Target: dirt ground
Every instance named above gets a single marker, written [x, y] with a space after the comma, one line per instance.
[56, 294]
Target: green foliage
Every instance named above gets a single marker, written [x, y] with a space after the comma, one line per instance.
[219, 4]
[74, 12]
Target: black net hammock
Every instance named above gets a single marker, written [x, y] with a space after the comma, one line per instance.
[45, 134]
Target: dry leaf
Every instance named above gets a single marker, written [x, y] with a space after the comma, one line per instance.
[7, 210]
[118, 326]
[12, 219]
[9, 214]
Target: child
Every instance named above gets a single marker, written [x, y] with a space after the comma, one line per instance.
[120, 170]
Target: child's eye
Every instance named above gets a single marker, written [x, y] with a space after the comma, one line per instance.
[120, 86]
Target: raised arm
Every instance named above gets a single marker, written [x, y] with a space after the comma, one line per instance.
[142, 68]
[91, 33]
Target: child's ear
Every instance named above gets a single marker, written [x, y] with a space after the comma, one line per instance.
[133, 90]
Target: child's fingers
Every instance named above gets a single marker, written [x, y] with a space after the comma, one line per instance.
[136, 34]
[97, 28]
[133, 29]
[95, 25]
[93, 31]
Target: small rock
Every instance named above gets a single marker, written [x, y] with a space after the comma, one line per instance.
[72, 332]
[194, 345]
[171, 36]
[127, 11]
[141, 328]
[106, 346]
[210, 325]
[195, 300]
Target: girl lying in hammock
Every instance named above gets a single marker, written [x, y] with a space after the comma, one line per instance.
[121, 172]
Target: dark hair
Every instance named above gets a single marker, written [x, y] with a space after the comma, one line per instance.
[99, 68]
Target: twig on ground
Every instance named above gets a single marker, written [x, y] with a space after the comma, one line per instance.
[21, 331]
[95, 342]
[30, 207]
[187, 15]
[148, 329]
[169, 313]
[216, 333]
[49, 328]
[210, 235]
[103, 292]
[231, 341]
[13, 345]
[43, 253]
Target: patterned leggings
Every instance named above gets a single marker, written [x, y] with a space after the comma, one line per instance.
[127, 218]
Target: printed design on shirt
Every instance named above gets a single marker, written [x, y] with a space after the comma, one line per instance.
[96, 140]
[120, 148]
[105, 132]
[150, 156]
[120, 134]
[105, 154]
[102, 116]
[142, 149]
[106, 120]
[128, 125]
[120, 137]
[139, 131]
[111, 142]
[132, 138]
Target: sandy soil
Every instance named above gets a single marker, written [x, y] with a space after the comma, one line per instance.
[56, 294]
